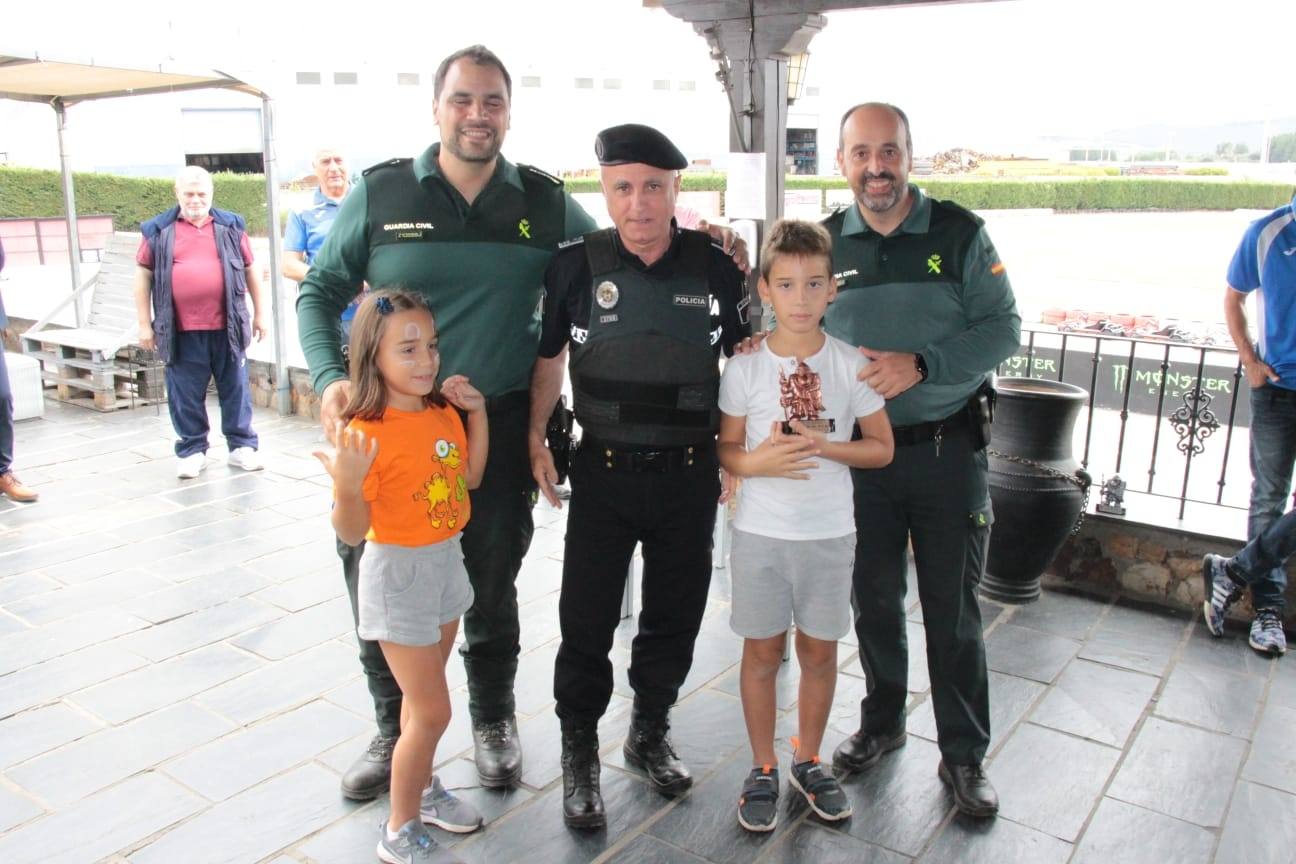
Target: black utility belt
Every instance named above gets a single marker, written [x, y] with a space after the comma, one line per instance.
[510, 401]
[918, 433]
[655, 460]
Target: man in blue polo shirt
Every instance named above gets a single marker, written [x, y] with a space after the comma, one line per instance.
[308, 226]
[1265, 260]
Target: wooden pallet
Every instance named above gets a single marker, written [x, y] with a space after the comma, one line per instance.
[98, 365]
[96, 379]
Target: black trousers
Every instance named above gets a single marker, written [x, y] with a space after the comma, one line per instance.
[940, 501]
[673, 515]
[495, 541]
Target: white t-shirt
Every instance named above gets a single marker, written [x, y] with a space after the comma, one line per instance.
[764, 387]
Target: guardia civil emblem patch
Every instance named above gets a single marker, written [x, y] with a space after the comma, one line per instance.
[607, 294]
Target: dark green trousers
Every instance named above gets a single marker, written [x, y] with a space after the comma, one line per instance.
[494, 543]
[940, 502]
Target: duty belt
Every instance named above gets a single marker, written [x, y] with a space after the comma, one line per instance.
[917, 433]
[510, 401]
[660, 460]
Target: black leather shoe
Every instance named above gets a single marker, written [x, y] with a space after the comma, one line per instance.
[497, 750]
[972, 790]
[862, 750]
[648, 747]
[582, 796]
[370, 775]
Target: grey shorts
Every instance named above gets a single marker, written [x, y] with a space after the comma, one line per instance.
[778, 582]
[407, 592]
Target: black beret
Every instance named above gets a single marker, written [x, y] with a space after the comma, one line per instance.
[634, 142]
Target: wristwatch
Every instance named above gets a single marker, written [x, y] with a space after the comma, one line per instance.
[921, 365]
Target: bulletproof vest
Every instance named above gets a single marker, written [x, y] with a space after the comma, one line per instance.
[646, 373]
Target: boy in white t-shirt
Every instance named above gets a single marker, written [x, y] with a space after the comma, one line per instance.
[788, 412]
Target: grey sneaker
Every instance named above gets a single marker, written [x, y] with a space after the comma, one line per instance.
[821, 790]
[758, 804]
[1222, 591]
[445, 811]
[1267, 635]
[413, 845]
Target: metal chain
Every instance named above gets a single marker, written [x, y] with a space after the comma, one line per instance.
[1080, 478]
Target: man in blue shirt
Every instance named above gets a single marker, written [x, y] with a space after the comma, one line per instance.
[308, 226]
[1265, 260]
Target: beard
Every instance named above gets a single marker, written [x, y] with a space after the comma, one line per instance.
[884, 203]
[486, 151]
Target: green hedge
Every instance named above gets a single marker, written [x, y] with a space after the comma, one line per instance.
[1114, 193]
[131, 200]
[691, 183]
[1078, 193]
[27, 192]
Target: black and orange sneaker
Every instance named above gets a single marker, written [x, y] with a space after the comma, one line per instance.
[758, 804]
[822, 792]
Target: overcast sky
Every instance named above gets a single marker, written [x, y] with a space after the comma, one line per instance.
[980, 73]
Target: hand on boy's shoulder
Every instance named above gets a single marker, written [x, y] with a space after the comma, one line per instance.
[749, 345]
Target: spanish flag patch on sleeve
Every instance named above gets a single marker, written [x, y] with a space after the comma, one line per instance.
[997, 268]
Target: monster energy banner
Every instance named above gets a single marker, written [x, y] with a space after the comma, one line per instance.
[1144, 380]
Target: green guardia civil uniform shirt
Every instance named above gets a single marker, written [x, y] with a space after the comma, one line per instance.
[934, 286]
[481, 265]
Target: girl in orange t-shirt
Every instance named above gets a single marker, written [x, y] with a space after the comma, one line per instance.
[401, 473]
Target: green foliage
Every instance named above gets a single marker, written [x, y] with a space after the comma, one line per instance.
[1206, 171]
[1096, 193]
[691, 183]
[1116, 193]
[1282, 148]
[27, 192]
[131, 200]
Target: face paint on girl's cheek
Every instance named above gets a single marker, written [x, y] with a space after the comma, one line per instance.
[412, 331]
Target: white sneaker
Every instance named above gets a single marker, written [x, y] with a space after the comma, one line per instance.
[245, 458]
[189, 467]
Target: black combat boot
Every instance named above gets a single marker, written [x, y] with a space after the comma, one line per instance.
[648, 747]
[370, 775]
[582, 798]
[497, 750]
[973, 793]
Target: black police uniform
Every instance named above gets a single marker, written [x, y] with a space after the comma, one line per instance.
[645, 341]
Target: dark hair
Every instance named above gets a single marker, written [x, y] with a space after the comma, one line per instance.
[794, 237]
[479, 54]
[368, 389]
[904, 118]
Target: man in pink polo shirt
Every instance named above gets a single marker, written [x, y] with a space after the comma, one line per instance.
[195, 272]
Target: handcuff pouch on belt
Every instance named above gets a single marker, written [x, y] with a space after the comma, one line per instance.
[559, 438]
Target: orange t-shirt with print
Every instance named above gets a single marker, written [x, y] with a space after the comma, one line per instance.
[417, 487]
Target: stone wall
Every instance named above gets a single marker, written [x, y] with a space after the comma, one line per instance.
[261, 378]
[1151, 562]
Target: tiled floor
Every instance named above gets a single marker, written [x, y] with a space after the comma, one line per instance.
[178, 683]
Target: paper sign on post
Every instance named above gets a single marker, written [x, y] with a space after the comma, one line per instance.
[745, 186]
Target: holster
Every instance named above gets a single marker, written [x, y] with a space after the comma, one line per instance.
[559, 438]
[980, 414]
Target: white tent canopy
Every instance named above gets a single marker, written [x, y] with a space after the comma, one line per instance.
[62, 83]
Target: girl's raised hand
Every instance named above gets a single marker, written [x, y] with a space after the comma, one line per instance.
[463, 395]
[350, 462]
